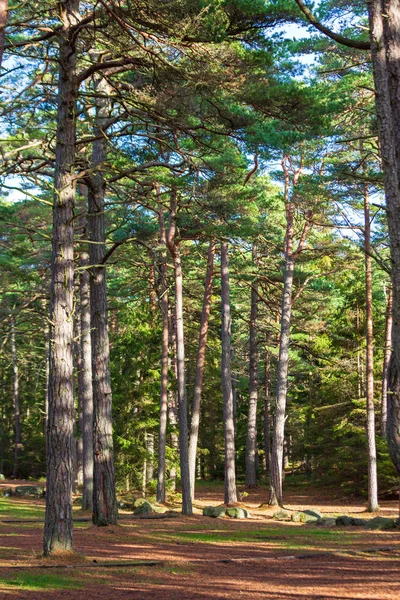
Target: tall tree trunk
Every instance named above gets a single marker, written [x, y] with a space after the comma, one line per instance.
[386, 360]
[371, 442]
[105, 510]
[180, 355]
[283, 365]
[162, 437]
[384, 20]
[149, 443]
[86, 383]
[251, 437]
[173, 397]
[17, 416]
[200, 362]
[3, 24]
[267, 411]
[58, 528]
[230, 495]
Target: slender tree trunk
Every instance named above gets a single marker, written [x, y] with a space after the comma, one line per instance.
[173, 398]
[149, 443]
[47, 336]
[105, 510]
[17, 416]
[384, 21]
[230, 496]
[371, 442]
[78, 479]
[180, 355]
[162, 437]
[58, 528]
[386, 360]
[3, 24]
[86, 382]
[200, 362]
[251, 438]
[283, 365]
[267, 412]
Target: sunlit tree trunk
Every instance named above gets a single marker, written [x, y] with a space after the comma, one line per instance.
[267, 411]
[86, 383]
[180, 355]
[230, 495]
[17, 416]
[3, 24]
[200, 362]
[251, 438]
[371, 442]
[384, 21]
[58, 528]
[386, 360]
[162, 437]
[105, 510]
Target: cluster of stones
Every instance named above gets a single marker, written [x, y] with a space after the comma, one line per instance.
[314, 516]
[233, 512]
[22, 491]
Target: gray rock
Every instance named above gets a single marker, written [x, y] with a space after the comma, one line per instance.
[236, 512]
[313, 513]
[145, 508]
[359, 522]
[344, 520]
[5, 492]
[281, 515]
[381, 523]
[29, 490]
[214, 511]
[304, 517]
[2, 478]
[327, 522]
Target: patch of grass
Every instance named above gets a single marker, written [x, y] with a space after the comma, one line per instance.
[41, 581]
[11, 509]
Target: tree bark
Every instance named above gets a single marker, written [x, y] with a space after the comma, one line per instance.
[386, 360]
[180, 355]
[251, 437]
[283, 361]
[86, 383]
[3, 24]
[200, 362]
[58, 528]
[371, 442]
[384, 20]
[105, 510]
[162, 437]
[267, 412]
[230, 495]
[17, 415]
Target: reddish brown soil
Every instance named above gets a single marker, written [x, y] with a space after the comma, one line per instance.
[284, 561]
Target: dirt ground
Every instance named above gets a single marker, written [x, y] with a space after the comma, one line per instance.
[200, 557]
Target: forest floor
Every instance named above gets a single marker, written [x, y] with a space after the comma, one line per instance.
[200, 557]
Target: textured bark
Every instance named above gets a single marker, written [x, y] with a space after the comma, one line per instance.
[85, 382]
[180, 356]
[149, 445]
[267, 413]
[251, 437]
[173, 397]
[384, 20]
[3, 24]
[162, 436]
[17, 416]
[58, 528]
[386, 360]
[200, 362]
[105, 510]
[371, 442]
[230, 495]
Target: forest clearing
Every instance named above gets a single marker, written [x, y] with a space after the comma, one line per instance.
[202, 557]
[200, 298]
